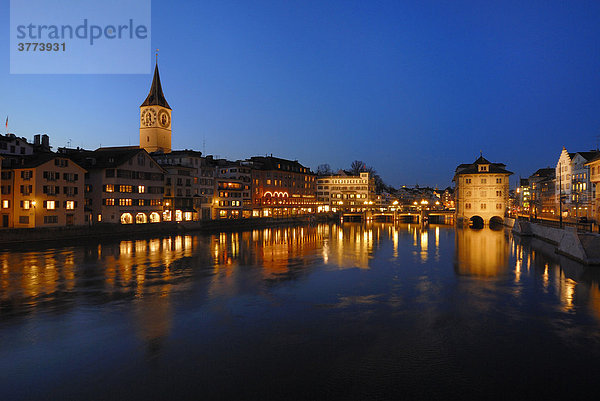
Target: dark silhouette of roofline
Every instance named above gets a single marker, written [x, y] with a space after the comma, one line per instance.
[156, 96]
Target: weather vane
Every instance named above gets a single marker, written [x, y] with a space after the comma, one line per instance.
[156, 56]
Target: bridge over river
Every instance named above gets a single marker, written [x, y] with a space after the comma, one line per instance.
[433, 216]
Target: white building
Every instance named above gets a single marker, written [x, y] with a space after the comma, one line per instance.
[351, 193]
[573, 184]
[481, 191]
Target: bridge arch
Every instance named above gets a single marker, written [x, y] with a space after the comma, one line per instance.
[496, 223]
[476, 222]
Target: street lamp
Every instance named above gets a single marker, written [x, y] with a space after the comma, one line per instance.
[33, 203]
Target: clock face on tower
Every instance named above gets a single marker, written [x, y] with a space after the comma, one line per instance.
[148, 117]
[163, 118]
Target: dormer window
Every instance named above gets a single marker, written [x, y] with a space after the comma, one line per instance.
[484, 167]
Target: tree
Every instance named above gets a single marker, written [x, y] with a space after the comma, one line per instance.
[324, 169]
[358, 166]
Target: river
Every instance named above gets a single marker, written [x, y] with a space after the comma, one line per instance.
[352, 311]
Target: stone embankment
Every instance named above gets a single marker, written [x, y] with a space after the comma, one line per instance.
[67, 235]
[582, 247]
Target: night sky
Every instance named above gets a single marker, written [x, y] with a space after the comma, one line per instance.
[411, 88]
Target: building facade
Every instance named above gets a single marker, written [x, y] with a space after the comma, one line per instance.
[42, 190]
[344, 192]
[189, 184]
[594, 175]
[281, 187]
[481, 191]
[124, 185]
[574, 188]
[232, 196]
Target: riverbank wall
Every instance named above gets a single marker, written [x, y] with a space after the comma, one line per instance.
[582, 247]
[100, 231]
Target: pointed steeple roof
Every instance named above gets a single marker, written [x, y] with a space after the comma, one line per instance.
[156, 96]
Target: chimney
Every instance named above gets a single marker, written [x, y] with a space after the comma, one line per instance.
[36, 139]
[45, 141]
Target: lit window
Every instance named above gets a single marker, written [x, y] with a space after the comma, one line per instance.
[70, 205]
[141, 189]
[50, 205]
[99, 217]
[26, 204]
[5, 204]
[110, 188]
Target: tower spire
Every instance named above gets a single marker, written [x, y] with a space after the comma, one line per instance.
[156, 96]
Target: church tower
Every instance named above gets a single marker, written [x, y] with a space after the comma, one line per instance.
[155, 119]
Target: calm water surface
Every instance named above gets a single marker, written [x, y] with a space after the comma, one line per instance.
[329, 312]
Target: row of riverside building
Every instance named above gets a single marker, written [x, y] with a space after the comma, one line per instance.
[567, 190]
[152, 183]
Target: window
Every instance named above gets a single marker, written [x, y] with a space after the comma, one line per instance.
[498, 206]
[125, 188]
[498, 193]
[50, 219]
[467, 180]
[50, 189]
[26, 205]
[61, 162]
[125, 202]
[467, 205]
[51, 175]
[108, 202]
[5, 204]
[141, 189]
[498, 180]
[70, 205]
[71, 177]
[5, 190]
[483, 181]
[50, 205]
[23, 219]
[483, 206]
[26, 175]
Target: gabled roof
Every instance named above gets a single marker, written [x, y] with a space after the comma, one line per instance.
[545, 172]
[105, 157]
[275, 163]
[35, 160]
[588, 156]
[156, 96]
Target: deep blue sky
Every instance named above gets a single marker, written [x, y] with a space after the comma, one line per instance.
[412, 88]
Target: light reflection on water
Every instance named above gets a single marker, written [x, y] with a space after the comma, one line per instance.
[386, 307]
